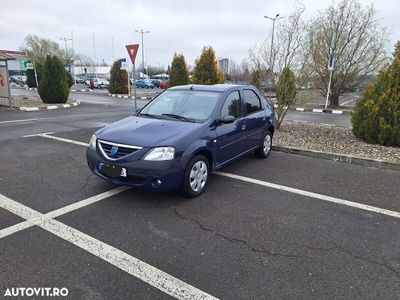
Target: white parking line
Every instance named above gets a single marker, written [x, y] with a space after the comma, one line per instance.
[38, 134]
[74, 206]
[18, 121]
[370, 208]
[127, 263]
[344, 103]
[292, 190]
[45, 135]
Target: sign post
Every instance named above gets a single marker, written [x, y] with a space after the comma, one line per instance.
[34, 69]
[124, 66]
[132, 51]
[331, 64]
[31, 66]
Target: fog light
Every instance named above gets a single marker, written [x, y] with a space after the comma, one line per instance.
[157, 183]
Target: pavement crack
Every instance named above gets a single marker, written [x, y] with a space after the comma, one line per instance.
[236, 240]
[341, 249]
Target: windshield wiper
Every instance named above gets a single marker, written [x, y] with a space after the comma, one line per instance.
[179, 117]
[151, 116]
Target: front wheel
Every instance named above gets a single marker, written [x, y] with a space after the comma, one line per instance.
[195, 178]
[265, 147]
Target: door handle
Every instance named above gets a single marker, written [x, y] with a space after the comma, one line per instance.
[243, 126]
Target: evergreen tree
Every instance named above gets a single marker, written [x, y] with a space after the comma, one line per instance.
[118, 79]
[178, 73]
[376, 117]
[206, 69]
[70, 80]
[53, 87]
[285, 92]
[30, 78]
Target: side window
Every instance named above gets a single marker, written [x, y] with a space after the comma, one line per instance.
[252, 101]
[232, 106]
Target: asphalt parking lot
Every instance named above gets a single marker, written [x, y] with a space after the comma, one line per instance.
[285, 227]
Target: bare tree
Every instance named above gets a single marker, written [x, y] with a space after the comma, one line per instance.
[38, 48]
[290, 52]
[357, 40]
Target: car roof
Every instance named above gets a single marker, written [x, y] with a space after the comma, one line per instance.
[210, 88]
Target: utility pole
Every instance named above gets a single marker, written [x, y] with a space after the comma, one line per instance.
[271, 61]
[95, 59]
[112, 45]
[73, 57]
[142, 33]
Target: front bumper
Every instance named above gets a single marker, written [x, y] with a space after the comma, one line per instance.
[141, 173]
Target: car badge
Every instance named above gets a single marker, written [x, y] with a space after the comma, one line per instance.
[114, 150]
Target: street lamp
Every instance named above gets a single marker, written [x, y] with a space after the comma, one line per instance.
[65, 40]
[142, 33]
[272, 40]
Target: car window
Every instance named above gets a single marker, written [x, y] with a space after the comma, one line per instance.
[232, 106]
[194, 105]
[252, 101]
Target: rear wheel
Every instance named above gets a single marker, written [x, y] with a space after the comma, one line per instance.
[196, 176]
[265, 147]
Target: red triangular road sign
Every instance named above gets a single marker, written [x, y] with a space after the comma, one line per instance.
[132, 51]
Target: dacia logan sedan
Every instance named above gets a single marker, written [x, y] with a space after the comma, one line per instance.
[183, 134]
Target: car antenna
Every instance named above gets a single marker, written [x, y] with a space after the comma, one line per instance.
[191, 88]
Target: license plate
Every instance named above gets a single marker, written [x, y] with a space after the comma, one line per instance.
[113, 171]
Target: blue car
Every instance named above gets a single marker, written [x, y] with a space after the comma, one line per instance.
[177, 139]
[146, 84]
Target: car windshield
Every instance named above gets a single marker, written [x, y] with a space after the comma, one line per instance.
[192, 106]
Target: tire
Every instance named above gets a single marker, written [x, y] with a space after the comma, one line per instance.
[265, 146]
[193, 183]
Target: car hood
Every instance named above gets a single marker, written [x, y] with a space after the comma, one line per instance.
[146, 132]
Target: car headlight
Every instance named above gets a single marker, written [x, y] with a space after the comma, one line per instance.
[92, 143]
[161, 153]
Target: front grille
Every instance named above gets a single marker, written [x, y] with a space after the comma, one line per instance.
[115, 151]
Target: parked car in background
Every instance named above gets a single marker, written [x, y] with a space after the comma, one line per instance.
[183, 134]
[143, 83]
[81, 79]
[17, 79]
[98, 83]
[163, 85]
[156, 82]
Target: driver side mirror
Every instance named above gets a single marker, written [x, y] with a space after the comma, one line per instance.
[227, 119]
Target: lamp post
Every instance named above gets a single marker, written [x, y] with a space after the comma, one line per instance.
[271, 66]
[142, 33]
[65, 40]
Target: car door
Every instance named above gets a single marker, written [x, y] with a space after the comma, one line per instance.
[255, 117]
[231, 136]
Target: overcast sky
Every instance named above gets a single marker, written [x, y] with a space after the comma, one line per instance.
[230, 26]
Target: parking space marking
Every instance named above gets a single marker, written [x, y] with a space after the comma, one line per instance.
[46, 135]
[77, 205]
[37, 134]
[34, 219]
[125, 262]
[18, 208]
[17, 121]
[326, 198]
[335, 200]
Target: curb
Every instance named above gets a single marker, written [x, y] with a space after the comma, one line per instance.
[319, 110]
[35, 89]
[340, 157]
[86, 90]
[50, 107]
[129, 97]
